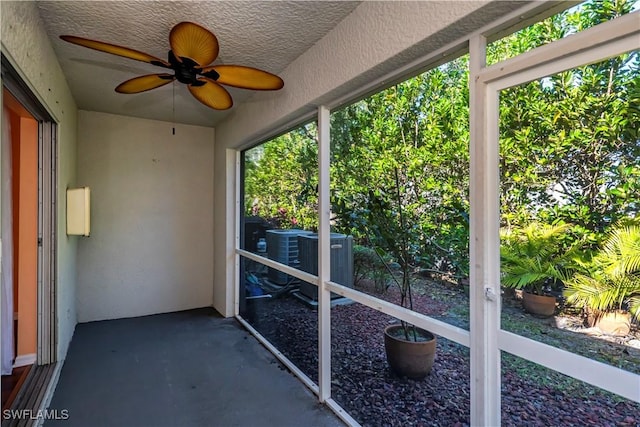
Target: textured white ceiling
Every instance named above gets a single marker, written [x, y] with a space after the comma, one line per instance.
[262, 34]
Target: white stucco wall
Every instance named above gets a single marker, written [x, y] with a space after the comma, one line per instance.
[374, 40]
[151, 244]
[26, 45]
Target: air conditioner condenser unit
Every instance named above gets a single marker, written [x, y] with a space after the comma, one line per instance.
[341, 261]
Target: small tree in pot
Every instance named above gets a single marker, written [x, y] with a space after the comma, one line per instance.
[392, 222]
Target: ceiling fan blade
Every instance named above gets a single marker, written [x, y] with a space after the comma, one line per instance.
[190, 40]
[211, 94]
[116, 50]
[144, 83]
[245, 77]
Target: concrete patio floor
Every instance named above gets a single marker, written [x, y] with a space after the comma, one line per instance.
[190, 368]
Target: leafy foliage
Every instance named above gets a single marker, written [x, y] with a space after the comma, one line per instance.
[418, 133]
[569, 143]
[367, 264]
[535, 259]
[569, 153]
[611, 279]
[281, 179]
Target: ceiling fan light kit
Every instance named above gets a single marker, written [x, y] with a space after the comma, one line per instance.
[193, 49]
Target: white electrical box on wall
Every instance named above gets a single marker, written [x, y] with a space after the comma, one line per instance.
[78, 209]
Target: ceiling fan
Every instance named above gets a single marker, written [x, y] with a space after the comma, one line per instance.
[193, 49]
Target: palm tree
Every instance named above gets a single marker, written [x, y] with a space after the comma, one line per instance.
[534, 258]
[611, 280]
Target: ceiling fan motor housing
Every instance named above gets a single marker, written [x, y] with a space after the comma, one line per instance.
[186, 71]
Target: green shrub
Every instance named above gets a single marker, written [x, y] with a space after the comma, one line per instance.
[367, 264]
[534, 258]
[611, 279]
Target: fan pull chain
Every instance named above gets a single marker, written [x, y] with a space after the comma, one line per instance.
[174, 107]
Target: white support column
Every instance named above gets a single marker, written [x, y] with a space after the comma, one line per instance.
[484, 245]
[236, 221]
[324, 255]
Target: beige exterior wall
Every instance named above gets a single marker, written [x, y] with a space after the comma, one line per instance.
[151, 244]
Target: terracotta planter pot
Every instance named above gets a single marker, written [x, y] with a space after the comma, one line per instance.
[409, 358]
[615, 323]
[539, 305]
